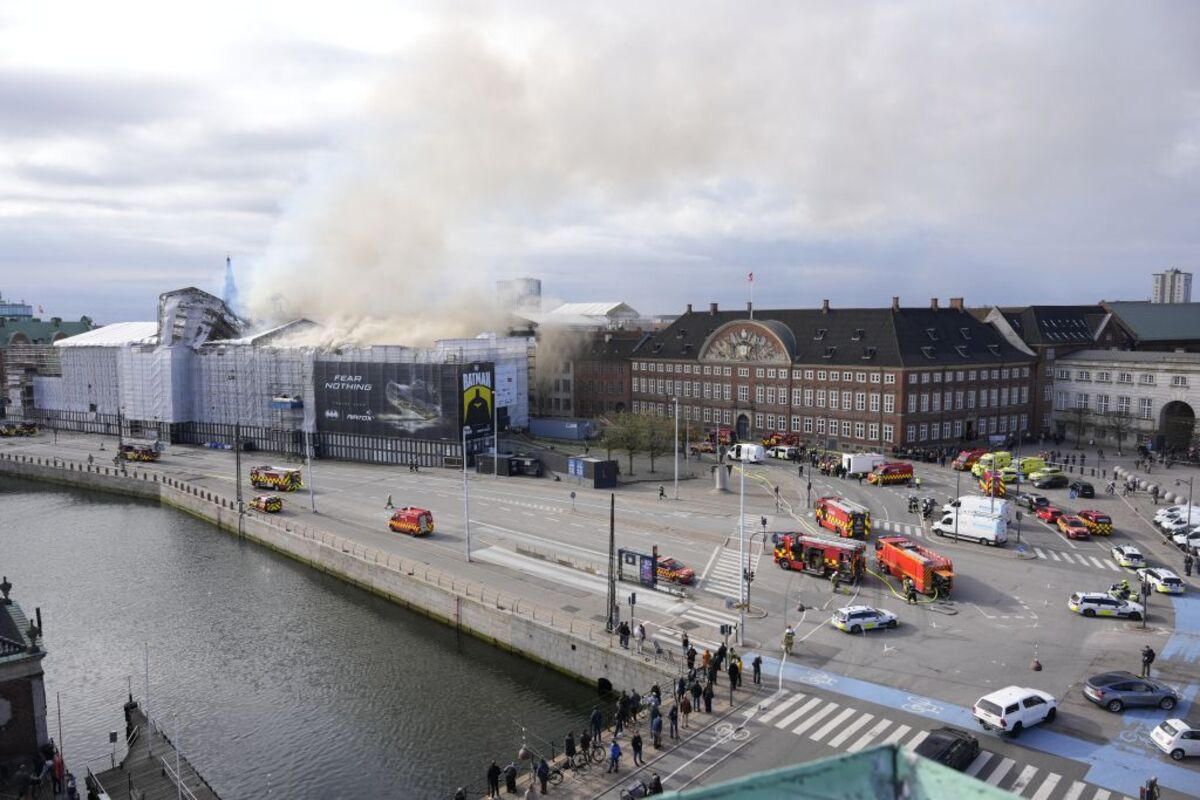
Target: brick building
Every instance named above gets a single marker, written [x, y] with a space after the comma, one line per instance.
[22, 688]
[602, 377]
[851, 379]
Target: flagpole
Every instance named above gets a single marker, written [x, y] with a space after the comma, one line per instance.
[751, 295]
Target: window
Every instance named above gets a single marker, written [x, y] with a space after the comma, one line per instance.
[889, 378]
[889, 404]
[860, 377]
[1060, 401]
[924, 432]
[1124, 377]
[846, 400]
[846, 428]
[1083, 375]
[726, 416]
[860, 430]
[1146, 379]
[833, 398]
[958, 428]
[758, 421]
[971, 375]
[770, 373]
[1122, 405]
[1102, 403]
[1003, 395]
[875, 401]
[873, 431]
[759, 393]
[820, 398]
[758, 373]
[771, 395]
[1144, 407]
[795, 424]
[808, 425]
[995, 374]
[1179, 381]
[696, 389]
[925, 375]
[958, 400]
[983, 398]
[846, 376]
[771, 422]
[1024, 394]
[1104, 377]
[743, 394]
[808, 397]
[958, 376]
[707, 369]
[970, 398]
[912, 403]
[945, 430]
[1082, 400]
[727, 373]
[1003, 425]
[937, 377]
[860, 401]
[743, 372]
[795, 396]
[808, 374]
[875, 377]
[1004, 374]
[992, 424]
[1024, 422]
[821, 375]
[914, 377]
[821, 425]
[889, 433]
[726, 392]
[995, 397]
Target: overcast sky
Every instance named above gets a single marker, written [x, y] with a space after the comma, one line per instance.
[366, 158]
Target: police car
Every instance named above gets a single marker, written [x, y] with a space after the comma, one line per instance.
[1162, 580]
[1099, 604]
[1128, 556]
[856, 619]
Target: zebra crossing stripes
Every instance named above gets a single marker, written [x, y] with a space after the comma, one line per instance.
[979, 763]
[798, 713]
[828, 727]
[850, 730]
[912, 743]
[781, 707]
[1047, 788]
[897, 734]
[814, 718]
[999, 772]
[1075, 791]
[1076, 558]
[725, 575]
[869, 736]
[903, 528]
[1023, 779]
[672, 639]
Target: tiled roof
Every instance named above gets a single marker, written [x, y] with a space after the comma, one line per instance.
[40, 331]
[13, 625]
[881, 337]
[1055, 325]
[1158, 322]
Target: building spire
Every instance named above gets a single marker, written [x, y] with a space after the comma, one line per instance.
[230, 293]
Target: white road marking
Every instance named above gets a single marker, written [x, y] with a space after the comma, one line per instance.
[817, 716]
[979, 763]
[999, 772]
[869, 736]
[1054, 555]
[798, 713]
[779, 708]
[1099, 564]
[1102, 794]
[828, 727]
[1047, 787]
[916, 740]
[897, 734]
[1040, 553]
[1024, 779]
[1076, 789]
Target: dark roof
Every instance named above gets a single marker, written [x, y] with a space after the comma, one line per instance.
[613, 345]
[41, 331]
[1158, 322]
[864, 337]
[1055, 325]
[13, 624]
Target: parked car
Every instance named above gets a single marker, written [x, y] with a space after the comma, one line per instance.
[1032, 501]
[950, 746]
[1099, 604]
[1177, 739]
[1173, 525]
[1188, 539]
[1083, 489]
[1014, 708]
[703, 447]
[1099, 523]
[1162, 579]
[1051, 482]
[1119, 690]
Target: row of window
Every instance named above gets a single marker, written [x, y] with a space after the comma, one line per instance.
[957, 400]
[998, 374]
[1083, 401]
[847, 429]
[770, 373]
[1102, 376]
[954, 429]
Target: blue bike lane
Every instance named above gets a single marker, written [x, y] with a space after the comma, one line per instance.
[1121, 765]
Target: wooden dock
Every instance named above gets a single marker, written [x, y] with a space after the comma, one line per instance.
[148, 770]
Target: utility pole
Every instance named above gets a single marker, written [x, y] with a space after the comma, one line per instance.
[958, 508]
[312, 500]
[742, 555]
[466, 494]
[237, 466]
[495, 428]
[611, 625]
[676, 448]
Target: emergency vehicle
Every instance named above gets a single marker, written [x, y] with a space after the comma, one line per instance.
[281, 479]
[1098, 523]
[991, 483]
[931, 573]
[843, 517]
[821, 555]
[892, 472]
[675, 571]
[722, 435]
[998, 459]
[133, 450]
[267, 503]
[966, 459]
[775, 439]
[410, 520]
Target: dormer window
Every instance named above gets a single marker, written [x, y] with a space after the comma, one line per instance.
[829, 352]
[962, 350]
[928, 352]
[868, 353]
[820, 334]
[966, 333]
[994, 349]
[932, 334]
[857, 335]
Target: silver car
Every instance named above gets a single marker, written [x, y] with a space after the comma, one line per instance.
[1118, 690]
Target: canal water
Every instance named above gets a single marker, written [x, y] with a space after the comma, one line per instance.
[277, 681]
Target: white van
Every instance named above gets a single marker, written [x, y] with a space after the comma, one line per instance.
[977, 502]
[861, 463]
[973, 526]
[748, 453]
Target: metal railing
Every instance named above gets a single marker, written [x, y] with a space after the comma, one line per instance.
[169, 771]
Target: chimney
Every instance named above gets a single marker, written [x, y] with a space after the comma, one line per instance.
[933, 306]
[750, 307]
[825, 306]
[895, 304]
[956, 303]
[689, 308]
[712, 309]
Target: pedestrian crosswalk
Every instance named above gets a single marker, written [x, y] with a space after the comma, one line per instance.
[1092, 562]
[724, 577]
[842, 726]
[902, 528]
[704, 633]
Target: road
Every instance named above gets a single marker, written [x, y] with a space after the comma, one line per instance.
[531, 536]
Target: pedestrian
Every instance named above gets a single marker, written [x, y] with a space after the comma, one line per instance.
[910, 591]
[510, 778]
[641, 636]
[1188, 560]
[635, 704]
[708, 697]
[569, 748]
[493, 776]
[722, 651]
[686, 642]
[58, 772]
[680, 688]
[1150, 790]
[636, 745]
[1154, 494]
[614, 757]
[706, 659]
[543, 774]
[91, 459]
[860, 477]
[734, 674]
[673, 719]
[1147, 660]
[685, 710]
[713, 672]
[656, 726]
[597, 723]
[623, 634]
[388, 504]
[756, 664]
[662, 492]
[691, 658]
[655, 786]
[835, 581]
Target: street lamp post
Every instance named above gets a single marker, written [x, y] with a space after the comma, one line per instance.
[1189, 482]
[957, 481]
[466, 494]
[742, 554]
[676, 447]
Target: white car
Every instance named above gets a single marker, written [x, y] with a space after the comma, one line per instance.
[782, 451]
[1099, 604]
[1188, 539]
[1014, 708]
[856, 619]
[1177, 739]
[1126, 555]
[1163, 514]
[1173, 525]
[1162, 579]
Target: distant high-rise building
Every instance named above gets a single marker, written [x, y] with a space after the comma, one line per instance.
[15, 311]
[1172, 286]
[520, 294]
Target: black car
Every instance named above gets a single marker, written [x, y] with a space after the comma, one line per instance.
[1051, 482]
[1083, 489]
[950, 746]
[1032, 501]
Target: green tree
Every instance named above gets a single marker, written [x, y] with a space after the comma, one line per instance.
[657, 435]
[623, 434]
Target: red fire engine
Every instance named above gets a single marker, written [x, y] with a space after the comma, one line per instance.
[992, 484]
[281, 479]
[966, 459]
[931, 574]
[892, 472]
[818, 554]
[776, 439]
[722, 435]
[843, 517]
[414, 521]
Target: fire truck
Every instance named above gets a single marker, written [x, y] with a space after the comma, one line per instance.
[776, 439]
[892, 472]
[931, 574]
[966, 459]
[411, 520]
[281, 479]
[991, 483]
[721, 435]
[843, 517]
[819, 554]
[140, 450]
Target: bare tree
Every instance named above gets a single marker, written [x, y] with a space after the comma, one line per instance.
[623, 434]
[1121, 422]
[1078, 420]
[657, 433]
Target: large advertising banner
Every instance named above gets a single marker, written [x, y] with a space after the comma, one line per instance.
[379, 399]
[478, 399]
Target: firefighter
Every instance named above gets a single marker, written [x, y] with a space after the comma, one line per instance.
[835, 580]
[917, 481]
[912, 504]
[789, 640]
[910, 591]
